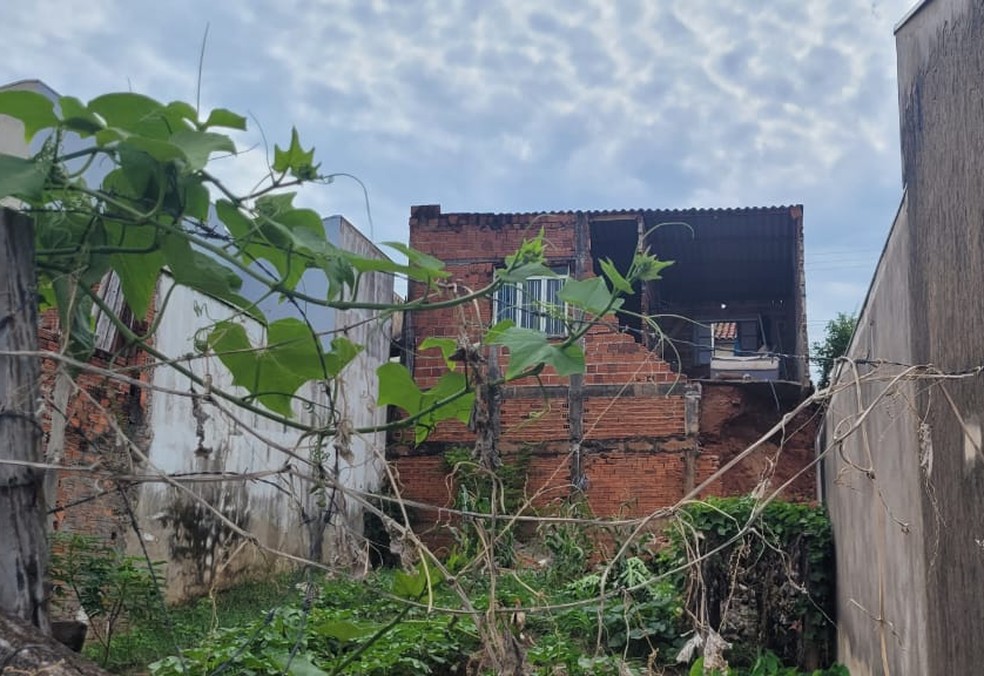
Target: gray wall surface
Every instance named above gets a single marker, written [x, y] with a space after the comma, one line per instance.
[880, 563]
[909, 534]
[941, 102]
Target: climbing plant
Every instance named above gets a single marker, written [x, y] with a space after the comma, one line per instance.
[163, 205]
[761, 576]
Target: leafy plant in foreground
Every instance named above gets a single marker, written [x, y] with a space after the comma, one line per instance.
[113, 589]
[765, 579]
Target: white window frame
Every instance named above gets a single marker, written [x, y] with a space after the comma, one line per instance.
[525, 303]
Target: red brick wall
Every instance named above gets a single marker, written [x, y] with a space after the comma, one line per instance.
[634, 435]
[637, 484]
[733, 417]
[87, 503]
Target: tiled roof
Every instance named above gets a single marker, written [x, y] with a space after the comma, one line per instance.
[725, 330]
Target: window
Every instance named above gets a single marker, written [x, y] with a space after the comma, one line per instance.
[533, 303]
[107, 337]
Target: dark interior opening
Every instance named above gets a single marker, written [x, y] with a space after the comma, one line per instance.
[617, 240]
[729, 266]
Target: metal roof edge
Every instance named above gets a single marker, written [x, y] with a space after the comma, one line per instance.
[775, 208]
[30, 81]
[915, 9]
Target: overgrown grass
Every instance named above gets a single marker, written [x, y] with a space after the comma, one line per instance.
[186, 625]
[380, 625]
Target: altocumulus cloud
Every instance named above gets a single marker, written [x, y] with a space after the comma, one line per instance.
[512, 105]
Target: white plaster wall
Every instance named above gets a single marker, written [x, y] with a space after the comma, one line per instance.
[197, 549]
[360, 385]
[201, 551]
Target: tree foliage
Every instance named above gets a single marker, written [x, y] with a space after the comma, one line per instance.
[836, 340]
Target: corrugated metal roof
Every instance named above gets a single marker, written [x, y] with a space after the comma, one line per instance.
[629, 213]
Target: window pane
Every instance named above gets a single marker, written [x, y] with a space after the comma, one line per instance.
[532, 288]
[555, 322]
[505, 302]
[748, 336]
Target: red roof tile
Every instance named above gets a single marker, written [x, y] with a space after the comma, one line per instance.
[725, 330]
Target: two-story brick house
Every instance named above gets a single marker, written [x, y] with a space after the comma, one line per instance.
[662, 404]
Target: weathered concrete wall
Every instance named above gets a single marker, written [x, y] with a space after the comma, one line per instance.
[191, 436]
[909, 533]
[180, 436]
[881, 566]
[359, 388]
[941, 101]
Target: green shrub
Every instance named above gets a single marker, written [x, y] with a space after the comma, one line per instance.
[766, 582]
[113, 589]
[350, 628]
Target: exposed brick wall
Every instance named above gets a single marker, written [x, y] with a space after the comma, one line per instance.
[637, 484]
[635, 441]
[733, 417]
[87, 503]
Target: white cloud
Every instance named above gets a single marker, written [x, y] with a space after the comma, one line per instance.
[511, 105]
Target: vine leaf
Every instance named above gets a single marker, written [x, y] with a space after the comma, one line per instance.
[160, 150]
[78, 118]
[138, 115]
[524, 271]
[397, 388]
[296, 160]
[615, 277]
[413, 585]
[184, 110]
[203, 273]
[197, 146]
[20, 177]
[529, 349]
[220, 117]
[447, 346]
[292, 240]
[646, 267]
[432, 267]
[343, 630]
[292, 357]
[591, 295]
[35, 111]
[139, 266]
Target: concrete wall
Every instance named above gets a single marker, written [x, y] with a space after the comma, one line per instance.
[908, 536]
[189, 436]
[941, 102]
[193, 436]
[180, 435]
[359, 384]
[881, 566]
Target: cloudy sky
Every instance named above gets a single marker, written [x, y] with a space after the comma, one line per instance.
[513, 105]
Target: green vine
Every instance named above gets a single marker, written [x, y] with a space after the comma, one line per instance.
[763, 576]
